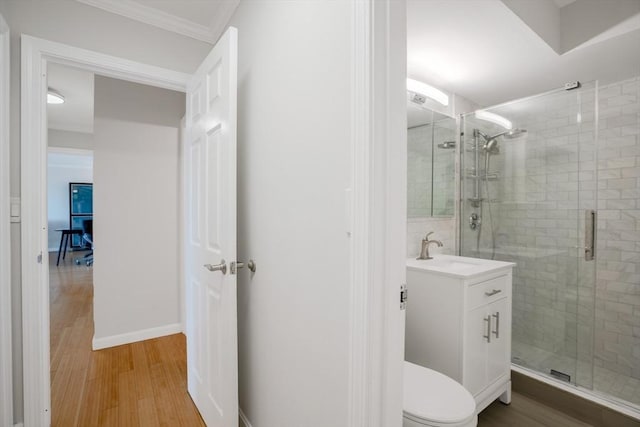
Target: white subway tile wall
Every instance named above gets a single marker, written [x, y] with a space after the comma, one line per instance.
[444, 229]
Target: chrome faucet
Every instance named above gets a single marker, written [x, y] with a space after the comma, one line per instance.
[424, 254]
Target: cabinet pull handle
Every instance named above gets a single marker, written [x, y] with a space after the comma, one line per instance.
[488, 336]
[497, 331]
[493, 292]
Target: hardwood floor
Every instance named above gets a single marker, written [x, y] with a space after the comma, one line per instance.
[140, 384]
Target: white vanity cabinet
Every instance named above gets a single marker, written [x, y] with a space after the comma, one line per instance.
[459, 322]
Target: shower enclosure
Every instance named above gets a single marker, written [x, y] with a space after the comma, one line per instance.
[552, 183]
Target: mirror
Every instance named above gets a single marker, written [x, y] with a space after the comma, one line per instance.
[431, 151]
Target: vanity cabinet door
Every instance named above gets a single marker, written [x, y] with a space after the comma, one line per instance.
[476, 350]
[498, 350]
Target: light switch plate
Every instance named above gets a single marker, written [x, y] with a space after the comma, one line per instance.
[15, 209]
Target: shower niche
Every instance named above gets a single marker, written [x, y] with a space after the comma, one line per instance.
[431, 153]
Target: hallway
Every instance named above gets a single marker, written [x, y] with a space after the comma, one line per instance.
[139, 384]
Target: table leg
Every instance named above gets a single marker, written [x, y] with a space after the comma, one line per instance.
[60, 248]
[66, 245]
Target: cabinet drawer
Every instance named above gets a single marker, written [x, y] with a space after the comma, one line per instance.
[486, 292]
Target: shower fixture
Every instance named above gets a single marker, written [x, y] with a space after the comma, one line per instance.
[491, 142]
[488, 145]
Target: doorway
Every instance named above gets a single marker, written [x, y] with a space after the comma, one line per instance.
[130, 133]
[35, 281]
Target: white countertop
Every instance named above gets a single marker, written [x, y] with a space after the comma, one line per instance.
[457, 266]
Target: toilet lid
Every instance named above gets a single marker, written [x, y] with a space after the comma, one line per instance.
[432, 396]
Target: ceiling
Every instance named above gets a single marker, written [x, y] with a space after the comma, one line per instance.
[76, 114]
[485, 52]
[488, 51]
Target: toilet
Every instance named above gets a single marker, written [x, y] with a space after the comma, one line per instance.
[433, 399]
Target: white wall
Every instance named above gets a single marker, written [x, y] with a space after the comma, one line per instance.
[294, 157]
[66, 139]
[71, 22]
[63, 168]
[136, 210]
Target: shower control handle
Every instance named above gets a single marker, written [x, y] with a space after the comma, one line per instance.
[488, 336]
[474, 221]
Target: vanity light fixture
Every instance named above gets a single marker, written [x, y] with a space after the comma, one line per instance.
[494, 118]
[424, 89]
[54, 97]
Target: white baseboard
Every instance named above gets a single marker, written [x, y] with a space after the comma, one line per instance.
[130, 337]
[244, 419]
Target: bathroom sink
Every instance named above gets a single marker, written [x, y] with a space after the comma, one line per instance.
[457, 266]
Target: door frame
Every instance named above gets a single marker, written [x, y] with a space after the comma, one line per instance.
[378, 206]
[6, 355]
[377, 200]
[36, 53]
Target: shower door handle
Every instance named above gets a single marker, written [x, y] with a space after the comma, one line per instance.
[589, 235]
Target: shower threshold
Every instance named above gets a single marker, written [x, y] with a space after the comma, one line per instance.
[595, 398]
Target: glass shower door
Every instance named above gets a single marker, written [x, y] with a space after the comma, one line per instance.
[528, 179]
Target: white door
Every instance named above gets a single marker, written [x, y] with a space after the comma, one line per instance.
[210, 235]
[6, 390]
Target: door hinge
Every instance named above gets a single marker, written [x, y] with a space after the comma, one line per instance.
[403, 296]
[39, 258]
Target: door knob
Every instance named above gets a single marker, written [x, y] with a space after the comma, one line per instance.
[218, 267]
[237, 265]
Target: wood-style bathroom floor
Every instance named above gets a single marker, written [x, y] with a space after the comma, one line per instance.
[140, 384]
[525, 412]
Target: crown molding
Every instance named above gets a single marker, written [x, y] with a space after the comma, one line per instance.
[158, 18]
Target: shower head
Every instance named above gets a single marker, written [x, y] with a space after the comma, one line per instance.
[491, 142]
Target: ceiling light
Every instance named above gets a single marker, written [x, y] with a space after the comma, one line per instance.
[54, 97]
[494, 118]
[428, 91]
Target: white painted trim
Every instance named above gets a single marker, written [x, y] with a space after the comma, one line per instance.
[35, 276]
[581, 392]
[135, 336]
[6, 356]
[105, 65]
[182, 226]
[155, 17]
[158, 18]
[378, 110]
[244, 419]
